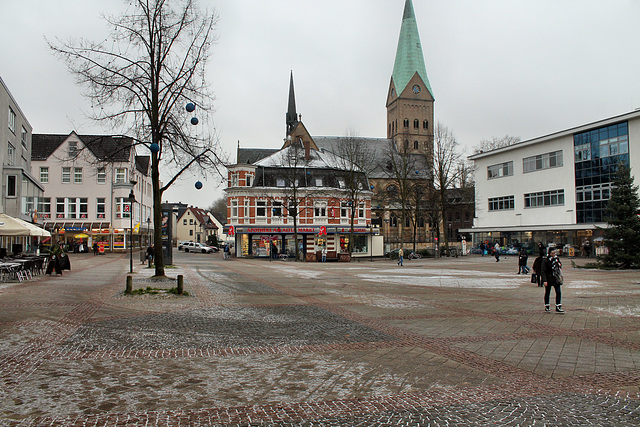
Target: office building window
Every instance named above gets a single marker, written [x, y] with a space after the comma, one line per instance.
[503, 203]
[320, 210]
[544, 198]
[500, 170]
[542, 161]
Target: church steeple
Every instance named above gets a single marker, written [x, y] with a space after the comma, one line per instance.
[410, 99]
[292, 115]
[409, 57]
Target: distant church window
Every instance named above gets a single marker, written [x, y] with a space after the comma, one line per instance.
[415, 145]
[425, 124]
[406, 123]
[416, 124]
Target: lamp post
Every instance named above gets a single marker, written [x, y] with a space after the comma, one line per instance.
[131, 199]
[149, 230]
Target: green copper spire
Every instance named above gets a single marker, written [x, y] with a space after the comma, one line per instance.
[409, 58]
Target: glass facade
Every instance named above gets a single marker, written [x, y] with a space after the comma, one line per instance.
[597, 153]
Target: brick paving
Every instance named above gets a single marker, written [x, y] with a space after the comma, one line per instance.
[460, 341]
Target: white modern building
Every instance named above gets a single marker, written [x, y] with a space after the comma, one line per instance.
[87, 181]
[553, 189]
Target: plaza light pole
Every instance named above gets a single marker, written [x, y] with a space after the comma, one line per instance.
[131, 199]
[149, 230]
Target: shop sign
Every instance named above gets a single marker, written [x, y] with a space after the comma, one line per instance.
[287, 230]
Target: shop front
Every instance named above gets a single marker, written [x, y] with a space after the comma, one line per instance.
[279, 242]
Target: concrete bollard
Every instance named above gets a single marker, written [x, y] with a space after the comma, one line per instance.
[129, 288]
[180, 284]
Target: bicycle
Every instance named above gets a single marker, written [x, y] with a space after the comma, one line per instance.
[414, 255]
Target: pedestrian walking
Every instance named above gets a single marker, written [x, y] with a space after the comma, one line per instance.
[541, 251]
[324, 254]
[552, 277]
[522, 262]
[95, 248]
[150, 253]
[400, 257]
[496, 252]
[482, 248]
[537, 271]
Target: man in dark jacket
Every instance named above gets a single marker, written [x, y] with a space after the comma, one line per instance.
[550, 264]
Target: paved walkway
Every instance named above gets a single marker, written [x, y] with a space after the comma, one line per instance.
[460, 341]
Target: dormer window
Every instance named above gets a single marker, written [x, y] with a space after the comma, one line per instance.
[318, 182]
[341, 183]
[249, 179]
[280, 182]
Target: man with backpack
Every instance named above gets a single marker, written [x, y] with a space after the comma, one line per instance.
[551, 270]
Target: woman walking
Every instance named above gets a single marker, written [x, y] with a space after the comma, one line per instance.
[552, 276]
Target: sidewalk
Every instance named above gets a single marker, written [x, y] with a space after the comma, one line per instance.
[452, 341]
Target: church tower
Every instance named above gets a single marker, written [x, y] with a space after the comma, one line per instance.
[410, 98]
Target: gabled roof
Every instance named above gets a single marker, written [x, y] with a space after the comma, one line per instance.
[409, 57]
[103, 147]
[200, 215]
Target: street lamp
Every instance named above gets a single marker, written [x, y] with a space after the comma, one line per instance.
[149, 229]
[131, 199]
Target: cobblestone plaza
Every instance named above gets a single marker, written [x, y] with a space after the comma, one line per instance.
[461, 341]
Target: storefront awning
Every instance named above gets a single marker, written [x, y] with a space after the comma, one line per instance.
[525, 228]
[301, 230]
[76, 226]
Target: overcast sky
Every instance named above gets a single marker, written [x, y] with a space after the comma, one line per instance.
[525, 68]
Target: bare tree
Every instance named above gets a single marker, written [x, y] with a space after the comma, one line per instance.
[401, 168]
[293, 161]
[447, 159]
[494, 143]
[141, 78]
[219, 209]
[356, 160]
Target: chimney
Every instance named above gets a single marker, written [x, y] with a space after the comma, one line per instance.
[307, 150]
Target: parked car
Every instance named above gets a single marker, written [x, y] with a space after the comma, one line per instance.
[197, 247]
[181, 244]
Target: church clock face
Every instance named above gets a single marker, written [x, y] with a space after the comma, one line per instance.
[416, 89]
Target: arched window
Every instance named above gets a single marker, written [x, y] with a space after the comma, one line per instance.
[392, 192]
[407, 222]
[421, 222]
[416, 145]
[406, 123]
[425, 124]
[393, 221]
[416, 124]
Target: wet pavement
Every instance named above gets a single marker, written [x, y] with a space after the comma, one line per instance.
[457, 341]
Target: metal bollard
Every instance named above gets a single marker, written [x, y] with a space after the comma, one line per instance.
[180, 284]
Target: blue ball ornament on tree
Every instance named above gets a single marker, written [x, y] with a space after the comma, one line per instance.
[154, 147]
[194, 121]
[191, 107]
[198, 185]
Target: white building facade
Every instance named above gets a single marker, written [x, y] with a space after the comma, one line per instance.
[553, 189]
[87, 181]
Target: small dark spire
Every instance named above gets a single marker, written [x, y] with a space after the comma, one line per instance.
[292, 116]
